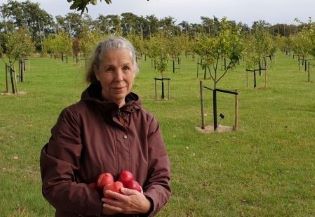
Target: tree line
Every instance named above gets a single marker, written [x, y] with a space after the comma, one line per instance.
[40, 24]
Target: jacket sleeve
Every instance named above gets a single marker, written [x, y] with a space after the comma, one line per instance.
[157, 186]
[59, 163]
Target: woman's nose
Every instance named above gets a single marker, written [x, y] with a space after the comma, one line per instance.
[119, 75]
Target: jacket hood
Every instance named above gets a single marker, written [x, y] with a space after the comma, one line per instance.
[93, 94]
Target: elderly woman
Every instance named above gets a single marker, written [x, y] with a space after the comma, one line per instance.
[106, 131]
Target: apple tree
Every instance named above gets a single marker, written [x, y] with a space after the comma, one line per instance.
[258, 46]
[19, 46]
[225, 47]
[159, 53]
[302, 45]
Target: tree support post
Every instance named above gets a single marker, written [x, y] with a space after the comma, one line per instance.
[265, 77]
[162, 95]
[308, 72]
[202, 106]
[13, 79]
[6, 78]
[162, 87]
[235, 127]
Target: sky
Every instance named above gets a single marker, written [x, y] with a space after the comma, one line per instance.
[245, 11]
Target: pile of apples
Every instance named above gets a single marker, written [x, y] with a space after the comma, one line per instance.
[106, 181]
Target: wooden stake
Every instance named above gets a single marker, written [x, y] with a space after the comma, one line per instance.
[236, 112]
[202, 106]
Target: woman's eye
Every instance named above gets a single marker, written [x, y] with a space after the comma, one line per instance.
[109, 69]
[125, 68]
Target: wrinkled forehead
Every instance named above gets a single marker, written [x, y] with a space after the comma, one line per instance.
[120, 51]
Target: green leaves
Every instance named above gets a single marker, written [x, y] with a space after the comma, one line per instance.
[258, 45]
[226, 44]
[19, 45]
[304, 42]
[81, 5]
[58, 44]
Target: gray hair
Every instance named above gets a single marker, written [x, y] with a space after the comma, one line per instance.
[102, 48]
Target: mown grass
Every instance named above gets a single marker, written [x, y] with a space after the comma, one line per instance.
[266, 168]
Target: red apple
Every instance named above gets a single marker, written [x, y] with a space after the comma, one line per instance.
[126, 177]
[104, 179]
[134, 185]
[115, 186]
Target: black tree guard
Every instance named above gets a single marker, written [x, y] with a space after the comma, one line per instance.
[214, 103]
[162, 87]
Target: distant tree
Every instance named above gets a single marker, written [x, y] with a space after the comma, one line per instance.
[258, 46]
[174, 47]
[153, 25]
[184, 26]
[304, 41]
[128, 23]
[29, 16]
[284, 43]
[49, 45]
[158, 51]
[168, 27]
[76, 48]
[115, 23]
[138, 43]
[63, 44]
[88, 41]
[303, 44]
[103, 24]
[19, 45]
[59, 45]
[73, 23]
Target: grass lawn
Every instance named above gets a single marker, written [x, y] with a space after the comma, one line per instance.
[266, 168]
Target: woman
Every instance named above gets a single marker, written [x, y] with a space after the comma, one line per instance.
[106, 131]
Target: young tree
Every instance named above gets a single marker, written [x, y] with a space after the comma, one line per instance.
[226, 46]
[258, 46]
[174, 49]
[302, 44]
[158, 51]
[138, 43]
[88, 41]
[63, 44]
[18, 46]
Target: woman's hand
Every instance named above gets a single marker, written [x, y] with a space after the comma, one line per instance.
[128, 202]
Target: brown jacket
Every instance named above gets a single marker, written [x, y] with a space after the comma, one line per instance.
[89, 138]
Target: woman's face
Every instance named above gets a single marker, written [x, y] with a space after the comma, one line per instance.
[116, 75]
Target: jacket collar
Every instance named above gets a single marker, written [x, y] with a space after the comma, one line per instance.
[93, 94]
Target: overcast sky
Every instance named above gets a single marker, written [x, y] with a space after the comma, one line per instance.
[245, 11]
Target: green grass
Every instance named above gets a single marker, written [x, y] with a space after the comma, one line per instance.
[266, 168]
